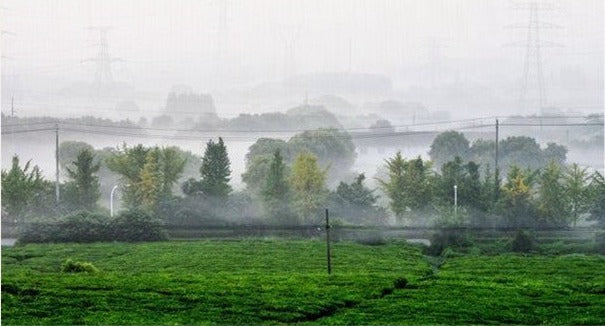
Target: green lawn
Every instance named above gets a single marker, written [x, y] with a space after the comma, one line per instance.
[281, 281]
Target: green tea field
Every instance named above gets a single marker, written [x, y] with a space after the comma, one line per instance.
[281, 281]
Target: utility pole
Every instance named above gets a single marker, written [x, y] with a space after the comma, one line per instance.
[57, 163]
[497, 136]
[328, 242]
[496, 171]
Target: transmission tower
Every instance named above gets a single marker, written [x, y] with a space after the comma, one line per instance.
[103, 75]
[533, 67]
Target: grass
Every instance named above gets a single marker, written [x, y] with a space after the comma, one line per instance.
[279, 281]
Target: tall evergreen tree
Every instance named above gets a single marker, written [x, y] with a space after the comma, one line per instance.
[215, 170]
[394, 187]
[82, 191]
[276, 191]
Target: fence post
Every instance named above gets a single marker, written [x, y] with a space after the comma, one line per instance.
[328, 242]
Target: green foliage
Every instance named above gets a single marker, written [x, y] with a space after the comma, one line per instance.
[147, 174]
[522, 242]
[284, 282]
[448, 238]
[552, 197]
[447, 145]
[577, 191]
[83, 227]
[77, 227]
[276, 192]
[400, 283]
[600, 243]
[515, 204]
[70, 266]
[257, 172]
[215, 172]
[25, 192]
[82, 191]
[409, 184]
[333, 148]
[136, 225]
[597, 207]
[355, 203]
[307, 180]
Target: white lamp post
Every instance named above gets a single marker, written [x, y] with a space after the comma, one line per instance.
[113, 190]
[456, 199]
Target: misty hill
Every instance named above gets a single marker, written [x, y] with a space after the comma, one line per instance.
[341, 83]
[335, 104]
[297, 118]
[190, 105]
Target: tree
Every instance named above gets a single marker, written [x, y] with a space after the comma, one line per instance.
[128, 162]
[597, 207]
[24, 191]
[447, 145]
[552, 199]
[150, 186]
[82, 191]
[257, 172]
[307, 180]
[394, 187]
[276, 191]
[356, 203]
[215, 170]
[147, 174]
[515, 204]
[577, 191]
[409, 184]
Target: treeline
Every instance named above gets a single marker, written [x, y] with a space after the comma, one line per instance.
[554, 196]
[290, 182]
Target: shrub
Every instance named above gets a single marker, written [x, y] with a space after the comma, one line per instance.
[70, 266]
[600, 242]
[77, 227]
[523, 242]
[93, 227]
[136, 225]
[400, 283]
[448, 238]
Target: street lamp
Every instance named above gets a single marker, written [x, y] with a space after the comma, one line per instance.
[113, 190]
[456, 199]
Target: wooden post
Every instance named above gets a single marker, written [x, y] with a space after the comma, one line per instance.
[328, 242]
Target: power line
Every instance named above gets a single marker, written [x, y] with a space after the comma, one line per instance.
[138, 128]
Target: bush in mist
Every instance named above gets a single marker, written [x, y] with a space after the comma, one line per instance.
[448, 238]
[522, 242]
[600, 242]
[85, 227]
[355, 203]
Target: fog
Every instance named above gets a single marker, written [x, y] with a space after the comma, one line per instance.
[260, 56]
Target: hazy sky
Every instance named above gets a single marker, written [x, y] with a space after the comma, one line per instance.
[226, 44]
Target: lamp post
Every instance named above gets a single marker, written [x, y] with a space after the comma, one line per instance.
[113, 190]
[456, 199]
